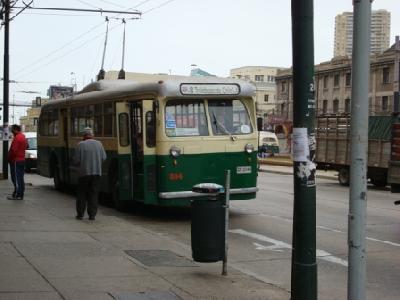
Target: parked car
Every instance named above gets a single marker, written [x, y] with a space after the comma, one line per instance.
[268, 143]
[31, 151]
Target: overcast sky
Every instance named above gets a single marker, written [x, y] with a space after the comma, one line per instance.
[216, 35]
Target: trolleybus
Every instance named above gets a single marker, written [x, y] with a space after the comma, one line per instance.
[161, 137]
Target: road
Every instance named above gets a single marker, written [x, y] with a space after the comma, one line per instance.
[261, 230]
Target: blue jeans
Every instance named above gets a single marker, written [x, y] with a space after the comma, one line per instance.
[17, 170]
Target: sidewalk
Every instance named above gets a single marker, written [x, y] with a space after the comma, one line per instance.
[46, 254]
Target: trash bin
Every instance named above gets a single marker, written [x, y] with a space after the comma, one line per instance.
[208, 224]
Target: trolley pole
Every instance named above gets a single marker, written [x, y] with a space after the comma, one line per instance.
[359, 148]
[304, 266]
[6, 83]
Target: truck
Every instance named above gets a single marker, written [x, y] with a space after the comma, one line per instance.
[394, 163]
[333, 147]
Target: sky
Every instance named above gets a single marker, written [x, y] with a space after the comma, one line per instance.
[65, 48]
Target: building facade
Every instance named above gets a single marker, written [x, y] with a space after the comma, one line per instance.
[333, 86]
[29, 122]
[263, 78]
[380, 33]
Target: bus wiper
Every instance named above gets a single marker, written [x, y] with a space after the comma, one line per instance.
[218, 124]
[221, 126]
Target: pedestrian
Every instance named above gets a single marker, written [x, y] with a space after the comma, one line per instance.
[16, 159]
[89, 156]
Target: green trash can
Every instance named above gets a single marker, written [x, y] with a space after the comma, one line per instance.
[208, 224]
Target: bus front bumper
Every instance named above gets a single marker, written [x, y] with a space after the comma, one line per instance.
[190, 194]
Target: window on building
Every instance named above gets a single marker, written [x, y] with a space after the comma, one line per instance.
[385, 103]
[259, 77]
[282, 108]
[325, 106]
[336, 80]
[335, 106]
[326, 79]
[347, 105]
[386, 75]
[266, 98]
[348, 79]
[283, 86]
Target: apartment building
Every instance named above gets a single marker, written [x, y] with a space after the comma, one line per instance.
[263, 78]
[380, 33]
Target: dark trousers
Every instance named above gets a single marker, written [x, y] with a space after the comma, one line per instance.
[88, 191]
[17, 170]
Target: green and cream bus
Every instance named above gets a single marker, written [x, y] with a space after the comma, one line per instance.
[161, 137]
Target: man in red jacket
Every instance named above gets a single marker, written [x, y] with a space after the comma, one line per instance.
[16, 158]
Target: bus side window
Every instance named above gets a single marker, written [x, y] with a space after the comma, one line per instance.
[150, 129]
[123, 122]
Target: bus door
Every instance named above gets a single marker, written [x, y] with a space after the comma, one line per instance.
[143, 137]
[120, 178]
[137, 150]
[65, 157]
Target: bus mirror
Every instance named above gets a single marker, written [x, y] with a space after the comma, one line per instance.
[259, 124]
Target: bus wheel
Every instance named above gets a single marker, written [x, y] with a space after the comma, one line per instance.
[56, 178]
[344, 176]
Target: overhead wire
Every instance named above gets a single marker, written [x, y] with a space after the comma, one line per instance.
[88, 4]
[68, 53]
[26, 6]
[61, 48]
[58, 49]
[157, 7]
[112, 3]
[55, 14]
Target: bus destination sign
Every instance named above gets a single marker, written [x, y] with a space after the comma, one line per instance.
[209, 89]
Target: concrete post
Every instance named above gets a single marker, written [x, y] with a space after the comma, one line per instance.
[359, 148]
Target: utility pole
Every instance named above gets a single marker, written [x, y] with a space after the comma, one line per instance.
[359, 147]
[304, 265]
[6, 83]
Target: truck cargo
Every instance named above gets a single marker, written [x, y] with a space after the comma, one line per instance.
[333, 151]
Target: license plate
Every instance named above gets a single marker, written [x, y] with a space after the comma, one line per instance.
[243, 170]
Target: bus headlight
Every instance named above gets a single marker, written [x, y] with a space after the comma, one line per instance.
[249, 148]
[175, 151]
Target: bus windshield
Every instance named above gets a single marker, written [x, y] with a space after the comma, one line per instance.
[229, 117]
[185, 118]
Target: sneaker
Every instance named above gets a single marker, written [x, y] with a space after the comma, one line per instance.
[92, 218]
[14, 198]
[79, 217]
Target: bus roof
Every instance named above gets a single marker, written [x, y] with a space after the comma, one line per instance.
[189, 87]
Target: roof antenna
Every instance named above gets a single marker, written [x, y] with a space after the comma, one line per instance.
[102, 73]
[121, 74]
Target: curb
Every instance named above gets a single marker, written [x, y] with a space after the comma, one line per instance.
[275, 162]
